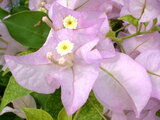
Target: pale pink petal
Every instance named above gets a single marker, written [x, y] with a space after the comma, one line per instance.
[24, 102]
[142, 43]
[106, 48]
[87, 54]
[36, 4]
[151, 61]
[32, 77]
[127, 87]
[76, 84]
[27, 101]
[3, 4]
[7, 109]
[89, 5]
[118, 116]
[113, 8]
[151, 11]
[145, 10]
[57, 13]
[10, 46]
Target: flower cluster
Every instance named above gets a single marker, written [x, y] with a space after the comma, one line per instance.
[83, 52]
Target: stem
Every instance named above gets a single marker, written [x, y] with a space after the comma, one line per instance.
[133, 35]
[121, 28]
[140, 27]
[77, 114]
[143, 10]
[81, 5]
[153, 74]
[122, 48]
[96, 109]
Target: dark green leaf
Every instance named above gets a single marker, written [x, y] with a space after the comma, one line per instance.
[36, 114]
[129, 18]
[40, 99]
[92, 110]
[158, 113]
[5, 78]
[146, 24]
[23, 2]
[5, 72]
[155, 21]
[10, 116]
[63, 115]
[54, 104]
[3, 13]
[111, 34]
[12, 92]
[19, 9]
[115, 24]
[27, 28]
[28, 51]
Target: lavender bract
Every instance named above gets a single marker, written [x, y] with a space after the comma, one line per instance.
[48, 69]
[8, 46]
[126, 83]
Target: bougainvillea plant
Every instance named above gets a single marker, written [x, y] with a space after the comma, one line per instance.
[79, 60]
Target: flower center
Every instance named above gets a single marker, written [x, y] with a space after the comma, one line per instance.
[65, 47]
[70, 22]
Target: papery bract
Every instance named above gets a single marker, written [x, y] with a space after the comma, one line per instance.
[45, 70]
[39, 4]
[145, 10]
[8, 46]
[138, 44]
[3, 4]
[92, 22]
[27, 102]
[123, 84]
[148, 113]
[151, 61]
[58, 13]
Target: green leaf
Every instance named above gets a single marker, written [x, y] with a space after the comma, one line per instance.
[155, 21]
[5, 72]
[92, 110]
[23, 2]
[146, 24]
[36, 114]
[3, 13]
[5, 78]
[54, 104]
[12, 92]
[27, 28]
[158, 113]
[63, 115]
[19, 9]
[111, 34]
[115, 24]
[40, 99]
[28, 51]
[10, 116]
[129, 18]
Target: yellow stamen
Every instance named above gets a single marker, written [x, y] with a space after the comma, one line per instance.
[65, 47]
[70, 22]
